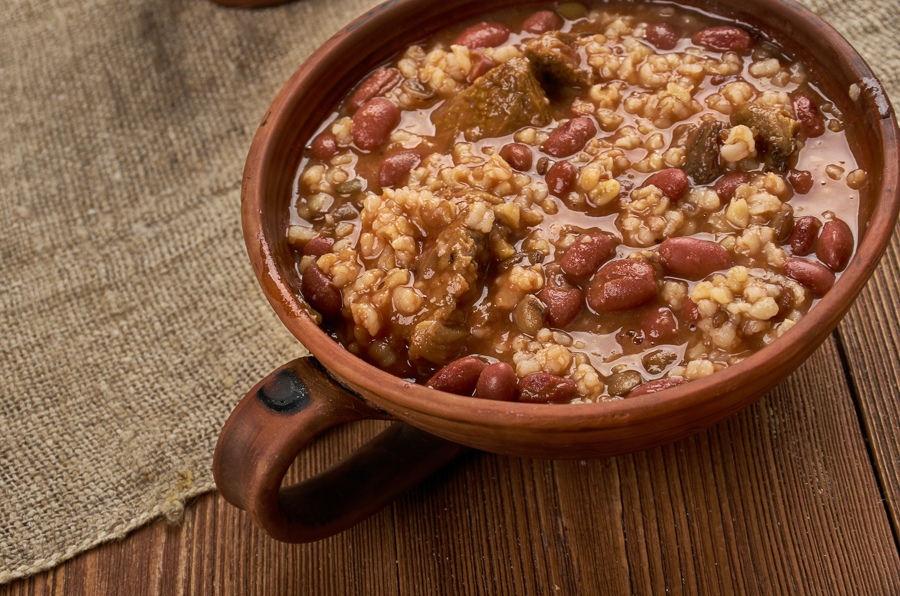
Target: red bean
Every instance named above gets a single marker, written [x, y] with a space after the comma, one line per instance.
[663, 36]
[724, 38]
[319, 293]
[587, 254]
[518, 156]
[318, 246]
[804, 234]
[540, 388]
[395, 167]
[379, 83]
[571, 137]
[561, 178]
[801, 181]
[672, 182]
[497, 381]
[460, 377]
[659, 325]
[622, 285]
[808, 116]
[563, 304]
[483, 35]
[835, 245]
[541, 22]
[727, 184]
[815, 276]
[481, 65]
[324, 147]
[373, 123]
[692, 258]
[657, 386]
[690, 311]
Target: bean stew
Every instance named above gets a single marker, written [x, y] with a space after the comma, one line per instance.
[572, 204]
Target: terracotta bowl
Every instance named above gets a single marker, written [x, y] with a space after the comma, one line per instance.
[281, 414]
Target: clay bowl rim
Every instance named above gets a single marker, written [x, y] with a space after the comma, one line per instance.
[400, 397]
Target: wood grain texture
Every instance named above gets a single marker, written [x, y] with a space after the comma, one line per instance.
[870, 337]
[782, 498]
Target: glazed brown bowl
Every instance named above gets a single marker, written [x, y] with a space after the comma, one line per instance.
[250, 443]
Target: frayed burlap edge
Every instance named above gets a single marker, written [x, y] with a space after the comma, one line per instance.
[172, 510]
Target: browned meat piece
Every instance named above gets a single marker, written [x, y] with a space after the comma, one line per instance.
[505, 99]
[555, 61]
[451, 265]
[774, 130]
[702, 160]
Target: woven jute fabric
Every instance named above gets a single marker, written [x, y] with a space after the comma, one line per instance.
[130, 320]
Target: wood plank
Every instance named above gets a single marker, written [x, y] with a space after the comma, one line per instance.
[781, 498]
[870, 335]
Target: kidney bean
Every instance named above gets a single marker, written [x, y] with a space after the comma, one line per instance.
[318, 246]
[690, 311]
[541, 388]
[324, 147]
[373, 123]
[460, 377]
[815, 276]
[808, 116]
[727, 184]
[662, 35]
[488, 34]
[621, 383]
[586, 255]
[529, 314]
[692, 258]
[480, 65]
[396, 166]
[783, 223]
[541, 22]
[621, 285]
[835, 245]
[717, 80]
[657, 386]
[517, 155]
[561, 178]
[497, 381]
[724, 38]
[803, 237]
[801, 181]
[563, 304]
[571, 137]
[319, 293]
[672, 182]
[379, 83]
[659, 325]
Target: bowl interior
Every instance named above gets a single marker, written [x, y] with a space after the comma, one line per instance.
[316, 88]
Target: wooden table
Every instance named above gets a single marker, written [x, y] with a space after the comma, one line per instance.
[798, 494]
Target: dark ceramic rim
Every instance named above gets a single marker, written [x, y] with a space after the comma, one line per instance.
[399, 396]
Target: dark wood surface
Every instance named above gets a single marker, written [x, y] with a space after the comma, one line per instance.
[798, 494]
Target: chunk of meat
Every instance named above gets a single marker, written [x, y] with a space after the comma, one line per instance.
[451, 267]
[774, 130]
[702, 159]
[500, 102]
[555, 61]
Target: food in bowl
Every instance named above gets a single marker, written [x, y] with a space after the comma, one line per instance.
[572, 204]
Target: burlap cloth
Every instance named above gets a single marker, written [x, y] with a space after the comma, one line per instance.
[130, 320]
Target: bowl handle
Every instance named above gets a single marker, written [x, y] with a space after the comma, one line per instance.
[275, 421]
